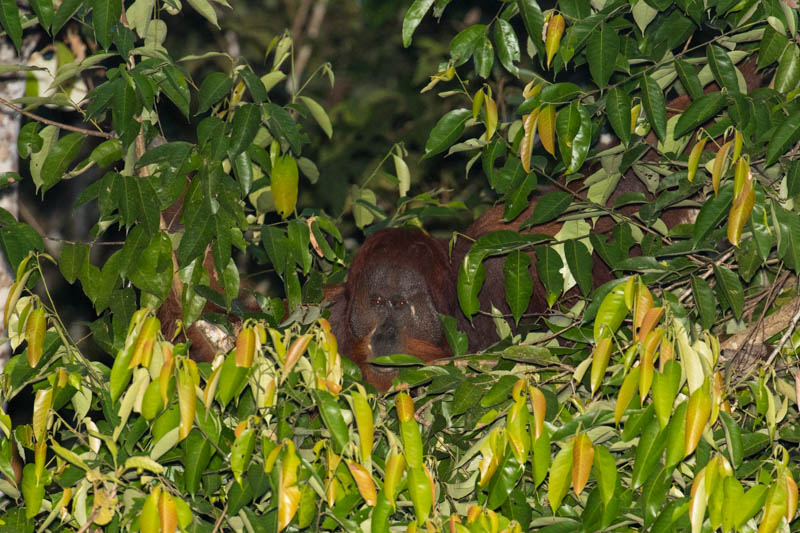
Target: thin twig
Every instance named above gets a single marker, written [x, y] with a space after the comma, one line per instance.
[33, 116]
[785, 337]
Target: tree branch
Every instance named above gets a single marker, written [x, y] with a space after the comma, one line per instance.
[93, 133]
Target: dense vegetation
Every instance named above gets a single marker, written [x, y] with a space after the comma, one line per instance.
[663, 400]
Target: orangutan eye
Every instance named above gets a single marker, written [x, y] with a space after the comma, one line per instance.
[376, 301]
[398, 303]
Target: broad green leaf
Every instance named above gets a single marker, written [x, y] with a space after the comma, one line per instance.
[29, 141]
[733, 439]
[125, 105]
[580, 264]
[332, 416]
[560, 478]
[654, 106]
[283, 125]
[730, 286]
[518, 283]
[611, 313]
[533, 19]
[464, 44]
[648, 452]
[605, 472]
[673, 511]
[205, 8]
[507, 45]
[470, 282]
[787, 134]
[788, 237]
[788, 74]
[713, 212]
[107, 152]
[172, 81]
[665, 388]
[245, 126]
[750, 504]
[254, 85]
[73, 261]
[771, 46]
[618, 110]
[504, 480]
[675, 437]
[699, 112]
[105, 13]
[11, 22]
[698, 410]
[484, 58]
[601, 53]
[44, 12]
[214, 88]
[548, 267]
[689, 79]
[413, 17]
[722, 68]
[705, 301]
[64, 13]
[447, 131]
[59, 158]
[319, 115]
[549, 207]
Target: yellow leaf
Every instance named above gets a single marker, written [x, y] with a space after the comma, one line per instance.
[187, 397]
[491, 117]
[41, 411]
[395, 467]
[646, 370]
[547, 128]
[245, 347]
[477, 103]
[719, 165]
[539, 409]
[737, 146]
[791, 496]
[697, 413]
[694, 157]
[166, 371]
[13, 296]
[741, 174]
[526, 144]
[35, 329]
[642, 303]
[143, 349]
[555, 29]
[600, 357]
[149, 521]
[364, 482]
[284, 184]
[626, 392]
[288, 492]
[168, 512]
[740, 212]
[698, 501]
[582, 458]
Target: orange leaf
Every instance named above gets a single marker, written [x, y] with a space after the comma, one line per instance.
[740, 212]
[582, 458]
[245, 347]
[168, 513]
[364, 482]
[650, 319]
[539, 409]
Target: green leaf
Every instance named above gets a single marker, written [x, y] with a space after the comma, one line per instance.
[205, 8]
[412, 19]
[471, 276]
[507, 45]
[788, 237]
[674, 511]
[580, 264]
[9, 18]
[73, 261]
[574, 131]
[254, 85]
[648, 452]
[123, 111]
[105, 13]
[173, 83]
[560, 478]
[548, 266]
[332, 416]
[722, 68]
[601, 53]
[64, 13]
[705, 301]
[712, 213]
[282, 125]
[771, 46]
[605, 472]
[699, 112]
[788, 74]
[44, 12]
[654, 106]
[504, 480]
[214, 88]
[518, 283]
[245, 126]
[29, 141]
[733, 439]
[665, 388]
[17, 241]
[549, 207]
[787, 134]
[447, 131]
[107, 152]
[59, 158]
[33, 489]
[689, 79]
[618, 110]
[484, 58]
[534, 22]
[463, 45]
[731, 288]
[319, 115]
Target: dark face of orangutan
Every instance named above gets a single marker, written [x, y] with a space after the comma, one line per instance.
[399, 283]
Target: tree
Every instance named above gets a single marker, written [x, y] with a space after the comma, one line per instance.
[638, 395]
